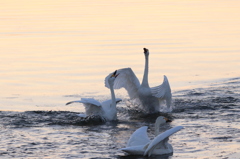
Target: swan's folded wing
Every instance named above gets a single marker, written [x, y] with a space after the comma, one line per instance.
[139, 137]
[126, 79]
[163, 91]
[160, 138]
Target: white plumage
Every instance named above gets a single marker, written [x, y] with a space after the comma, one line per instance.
[149, 98]
[140, 144]
[106, 109]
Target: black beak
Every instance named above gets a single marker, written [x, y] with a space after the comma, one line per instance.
[145, 50]
[114, 73]
[168, 120]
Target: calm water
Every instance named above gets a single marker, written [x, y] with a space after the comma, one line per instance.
[56, 51]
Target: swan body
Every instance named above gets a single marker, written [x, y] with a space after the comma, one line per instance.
[140, 144]
[149, 98]
[106, 109]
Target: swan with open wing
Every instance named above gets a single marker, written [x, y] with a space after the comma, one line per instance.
[149, 98]
[107, 109]
[140, 144]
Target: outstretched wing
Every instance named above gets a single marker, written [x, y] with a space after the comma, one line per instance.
[139, 137]
[92, 106]
[109, 102]
[126, 79]
[163, 91]
[161, 137]
[86, 101]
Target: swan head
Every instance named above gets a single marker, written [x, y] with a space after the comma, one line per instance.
[162, 120]
[159, 122]
[146, 52]
[112, 78]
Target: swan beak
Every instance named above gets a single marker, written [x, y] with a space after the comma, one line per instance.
[115, 74]
[168, 120]
[145, 50]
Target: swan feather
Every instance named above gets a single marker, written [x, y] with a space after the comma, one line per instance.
[163, 91]
[139, 137]
[135, 150]
[126, 79]
[87, 102]
[161, 137]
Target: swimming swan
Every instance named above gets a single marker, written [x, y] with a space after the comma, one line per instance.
[140, 144]
[149, 98]
[106, 109]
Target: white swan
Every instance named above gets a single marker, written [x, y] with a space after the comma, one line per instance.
[149, 98]
[140, 144]
[106, 109]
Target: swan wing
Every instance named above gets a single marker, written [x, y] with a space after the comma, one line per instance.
[163, 91]
[139, 137]
[160, 138]
[134, 150]
[109, 102]
[92, 106]
[126, 79]
[118, 100]
[86, 102]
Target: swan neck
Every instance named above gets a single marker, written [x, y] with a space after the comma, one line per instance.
[157, 126]
[145, 75]
[113, 105]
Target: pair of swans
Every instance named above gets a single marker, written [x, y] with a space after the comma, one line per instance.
[149, 98]
[140, 144]
[107, 109]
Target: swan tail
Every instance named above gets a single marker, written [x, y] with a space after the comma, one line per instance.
[134, 150]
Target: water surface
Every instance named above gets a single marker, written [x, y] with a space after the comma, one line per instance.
[56, 51]
[50, 49]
